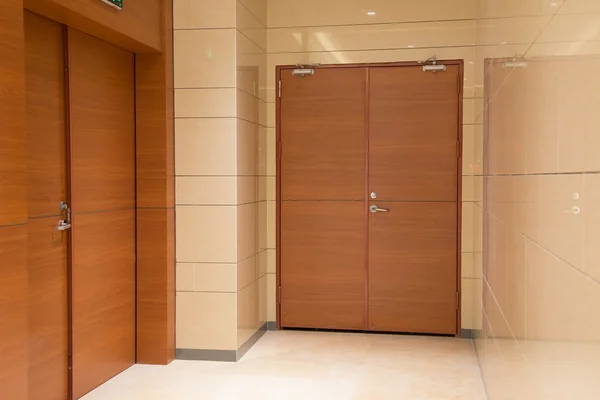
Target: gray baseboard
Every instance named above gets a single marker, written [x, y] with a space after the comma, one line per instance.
[251, 342]
[471, 333]
[272, 326]
[221, 355]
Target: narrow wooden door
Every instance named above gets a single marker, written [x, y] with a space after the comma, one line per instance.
[413, 172]
[47, 182]
[322, 196]
[101, 81]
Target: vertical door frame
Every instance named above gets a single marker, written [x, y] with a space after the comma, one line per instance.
[278, 179]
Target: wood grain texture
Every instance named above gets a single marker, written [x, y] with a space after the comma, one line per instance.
[46, 125]
[156, 287]
[48, 319]
[102, 97]
[13, 309]
[137, 28]
[155, 155]
[103, 297]
[323, 135]
[155, 123]
[322, 264]
[413, 134]
[412, 268]
[103, 197]
[13, 138]
[46, 248]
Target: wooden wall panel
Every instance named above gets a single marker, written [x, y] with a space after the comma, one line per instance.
[13, 309]
[13, 205]
[156, 201]
[47, 248]
[13, 141]
[137, 28]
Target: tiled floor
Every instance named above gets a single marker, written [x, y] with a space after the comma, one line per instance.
[314, 366]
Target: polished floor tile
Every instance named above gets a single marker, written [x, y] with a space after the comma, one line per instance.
[313, 366]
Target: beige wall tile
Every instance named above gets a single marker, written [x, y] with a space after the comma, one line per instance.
[572, 28]
[471, 300]
[247, 189]
[287, 13]
[271, 152]
[469, 111]
[215, 278]
[262, 225]
[205, 103]
[195, 14]
[247, 230]
[271, 224]
[515, 8]
[580, 7]
[206, 234]
[206, 321]
[205, 146]
[247, 148]
[262, 303]
[371, 37]
[258, 8]
[251, 27]
[472, 188]
[184, 275]
[271, 261]
[509, 30]
[261, 268]
[467, 227]
[204, 58]
[247, 107]
[248, 316]
[271, 297]
[208, 190]
[591, 221]
[559, 229]
[467, 265]
[247, 272]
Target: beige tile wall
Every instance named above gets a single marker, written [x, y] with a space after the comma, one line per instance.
[220, 57]
[541, 286]
[342, 31]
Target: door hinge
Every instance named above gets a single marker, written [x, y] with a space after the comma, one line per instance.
[457, 301]
[279, 88]
[458, 149]
[279, 295]
[459, 84]
[279, 150]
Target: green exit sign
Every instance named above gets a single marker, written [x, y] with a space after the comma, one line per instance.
[118, 4]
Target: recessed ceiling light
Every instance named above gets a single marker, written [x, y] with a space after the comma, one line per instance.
[371, 13]
[553, 4]
[410, 46]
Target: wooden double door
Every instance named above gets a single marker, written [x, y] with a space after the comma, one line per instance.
[81, 246]
[369, 163]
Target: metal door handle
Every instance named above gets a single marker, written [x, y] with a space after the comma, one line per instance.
[375, 209]
[63, 226]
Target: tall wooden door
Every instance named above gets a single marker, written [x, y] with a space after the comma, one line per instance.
[47, 182]
[323, 199]
[101, 85]
[369, 198]
[413, 188]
